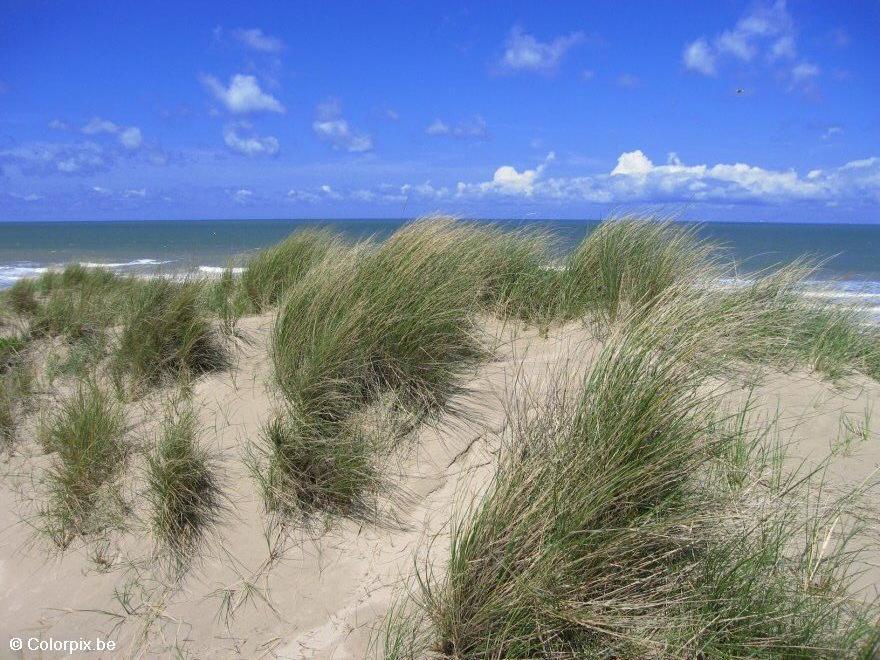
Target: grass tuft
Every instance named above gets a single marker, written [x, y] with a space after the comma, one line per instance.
[86, 437]
[184, 496]
[304, 470]
[8, 420]
[10, 350]
[611, 530]
[22, 297]
[270, 272]
[166, 332]
[628, 262]
[397, 317]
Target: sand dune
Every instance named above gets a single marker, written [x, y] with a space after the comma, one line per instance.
[329, 588]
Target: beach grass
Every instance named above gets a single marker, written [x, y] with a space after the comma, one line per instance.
[182, 486]
[272, 271]
[22, 297]
[630, 513]
[167, 333]
[612, 527]
[628, 262]
[86, 437]
[226, 298]
[303, 471]
[8, 419]
[395, 317]
[11, 348]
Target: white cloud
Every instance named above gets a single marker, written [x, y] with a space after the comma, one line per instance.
[475, 127]
[129, 136]
[341, 136]
[736, 43]
[588, 74]
[437, 127]
[249, 145]
[522, 52]
[768, 26]
[242, 195]
[42, 158]
[243, 95]
[302, 196]
[332, 128]
[698, 56]
[101, 190]
[58, 125]
[635, 178]
[136, 192]
[256, 39]
[783, 48]
[26, 197]
[507, 181]
[632, 163]
[98, 125]
[831, 131]
[803, 72]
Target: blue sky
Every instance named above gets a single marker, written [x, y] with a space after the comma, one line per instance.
[715, 111]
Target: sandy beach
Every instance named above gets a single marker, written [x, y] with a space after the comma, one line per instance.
[328, 592]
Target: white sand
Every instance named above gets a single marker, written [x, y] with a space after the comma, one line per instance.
[328, 591]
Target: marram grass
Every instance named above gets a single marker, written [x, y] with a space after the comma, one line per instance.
[396, 317]
[182, 487]
[167, 333]
[86, 437]
[277, 268]
[629, 517]
[628, 262]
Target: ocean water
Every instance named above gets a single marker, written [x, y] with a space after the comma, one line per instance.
[850, 254]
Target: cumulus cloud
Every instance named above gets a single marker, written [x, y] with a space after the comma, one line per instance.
[129, 137]
[98, 125]
[636, 178]
[804, 72]
[332, 128]
[507, 181]
[438, 127]
[295, 195]
[698, 56]
[242, 195]
[768, 27]
[475, 128]
[249, 144]
[783, 48]
[523, 52]
[256, 39]
[243, 95]
[41, 158]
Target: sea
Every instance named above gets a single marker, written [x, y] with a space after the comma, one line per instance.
[848, 254]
